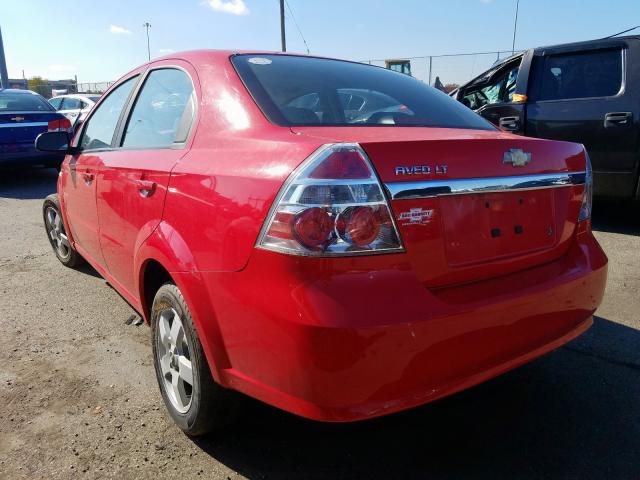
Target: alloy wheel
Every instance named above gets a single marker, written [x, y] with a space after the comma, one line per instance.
[174, 358]
[56, 232]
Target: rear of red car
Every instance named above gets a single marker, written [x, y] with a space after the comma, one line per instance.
[417, 251]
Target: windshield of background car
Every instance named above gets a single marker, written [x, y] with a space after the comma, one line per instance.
[296, 91]
[23, 102]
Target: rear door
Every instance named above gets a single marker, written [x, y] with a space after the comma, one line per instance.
[587, 95]
[80, 172]
[134, 177]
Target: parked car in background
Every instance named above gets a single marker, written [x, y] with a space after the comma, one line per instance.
[23, 116]
[74, 106]
[586, 92]
[340, 266]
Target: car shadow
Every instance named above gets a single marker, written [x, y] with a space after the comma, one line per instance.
[28, 184]
[616, 216]
[571, 414]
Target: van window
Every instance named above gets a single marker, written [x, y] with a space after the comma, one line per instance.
[580, 75]
[500, 89]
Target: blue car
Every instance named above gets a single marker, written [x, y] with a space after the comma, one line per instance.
[23, 116]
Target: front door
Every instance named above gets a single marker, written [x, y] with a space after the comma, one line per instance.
[493, 99]
[79, 182]
[134, 177]
[582, 96]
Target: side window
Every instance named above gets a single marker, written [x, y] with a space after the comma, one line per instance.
[56, 102]
[163, 111]
[499, 90]
[71, 104]
[580, 75]
[99, 129]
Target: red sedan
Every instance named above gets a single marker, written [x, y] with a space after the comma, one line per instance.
[335, 239]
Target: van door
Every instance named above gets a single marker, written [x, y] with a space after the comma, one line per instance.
[493, 98]
[587, 96]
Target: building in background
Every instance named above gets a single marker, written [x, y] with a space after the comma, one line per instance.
[398, 65]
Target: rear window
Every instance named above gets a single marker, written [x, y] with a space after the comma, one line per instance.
[23, 102]
[579, 75]
[294, 90]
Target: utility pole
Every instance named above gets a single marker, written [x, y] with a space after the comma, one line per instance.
[515, 26]
[282, 27]
[148, 25]
[4, 76]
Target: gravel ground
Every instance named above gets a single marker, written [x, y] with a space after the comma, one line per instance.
[78, 396]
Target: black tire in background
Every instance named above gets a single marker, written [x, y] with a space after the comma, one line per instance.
[56, 233]
[203, 405]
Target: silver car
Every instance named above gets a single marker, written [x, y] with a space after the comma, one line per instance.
[74, 106]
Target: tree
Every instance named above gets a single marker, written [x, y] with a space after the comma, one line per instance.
[39, 85]
[450, 87]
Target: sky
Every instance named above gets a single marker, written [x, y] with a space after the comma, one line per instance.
[101, 40]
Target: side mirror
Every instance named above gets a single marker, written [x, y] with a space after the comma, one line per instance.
[53, 142]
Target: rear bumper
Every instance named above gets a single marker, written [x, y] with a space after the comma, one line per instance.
[333, 341]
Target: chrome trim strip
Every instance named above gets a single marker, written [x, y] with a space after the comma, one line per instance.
[25, 124]
[465, 186]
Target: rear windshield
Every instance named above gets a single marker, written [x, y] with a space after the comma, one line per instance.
[293, 91]
[23, 102]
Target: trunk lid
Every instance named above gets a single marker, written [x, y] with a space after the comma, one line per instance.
[24, 127]
[458, 238]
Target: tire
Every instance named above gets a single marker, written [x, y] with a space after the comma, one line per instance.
[56, 233]
[203, 405]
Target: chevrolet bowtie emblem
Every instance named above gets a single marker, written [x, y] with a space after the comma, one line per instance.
[17, 119]
[516, 157]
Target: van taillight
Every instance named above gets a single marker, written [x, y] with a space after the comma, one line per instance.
[333, 204]
[587, 196]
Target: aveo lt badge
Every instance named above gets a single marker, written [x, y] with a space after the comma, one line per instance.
[516, 157]
[421, 170]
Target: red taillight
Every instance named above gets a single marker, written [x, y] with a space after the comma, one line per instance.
[359, 226]
[333, 204]
[313, 227]
[60, 124]
[346, 164]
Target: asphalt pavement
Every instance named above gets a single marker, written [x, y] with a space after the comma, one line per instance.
[78, 395]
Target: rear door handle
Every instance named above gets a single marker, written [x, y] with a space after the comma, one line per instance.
[145, 187]
[617, 118]
[509, 123]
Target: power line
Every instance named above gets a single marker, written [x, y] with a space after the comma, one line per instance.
[283, 39]
[297, 26]
[620, 33]
[515, 26]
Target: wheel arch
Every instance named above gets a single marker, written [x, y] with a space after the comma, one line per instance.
[164, 257]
